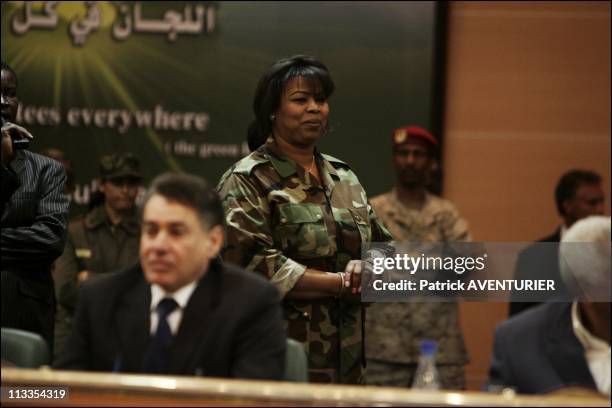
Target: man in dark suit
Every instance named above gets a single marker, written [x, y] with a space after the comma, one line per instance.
[34, 220]
[180, 310]
[561, 344]
[578, 194]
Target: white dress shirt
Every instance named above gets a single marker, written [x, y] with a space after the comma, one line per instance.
[596, 352]
[562, 231]
[181, 297]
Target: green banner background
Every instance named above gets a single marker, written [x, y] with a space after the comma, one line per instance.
[381, 56]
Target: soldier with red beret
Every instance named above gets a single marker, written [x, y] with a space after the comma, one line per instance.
[412, 214]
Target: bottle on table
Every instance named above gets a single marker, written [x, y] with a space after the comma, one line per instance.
[426, 377]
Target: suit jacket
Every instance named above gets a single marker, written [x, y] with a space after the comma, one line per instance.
[537, 351]
[538, 261]
[34, 220]
[231, 326]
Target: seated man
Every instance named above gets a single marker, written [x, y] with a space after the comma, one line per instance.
[557, 345]
[579, 194]
[181, 310]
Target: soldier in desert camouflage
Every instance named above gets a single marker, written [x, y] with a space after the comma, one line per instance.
[394, 330]
[299, 217]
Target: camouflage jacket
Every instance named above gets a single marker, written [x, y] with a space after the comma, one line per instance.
[96, 246]
[394, 330]
[280, 221]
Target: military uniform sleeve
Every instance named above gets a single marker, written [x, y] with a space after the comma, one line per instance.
[65, 277]
[379, 231]
[249, 241]
[454, 227]
[42, 241]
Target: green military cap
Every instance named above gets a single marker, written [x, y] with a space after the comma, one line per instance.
[120, 165]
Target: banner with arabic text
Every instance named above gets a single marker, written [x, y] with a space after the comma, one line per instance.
[173, 82]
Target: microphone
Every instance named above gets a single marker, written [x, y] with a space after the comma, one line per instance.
[18, 144]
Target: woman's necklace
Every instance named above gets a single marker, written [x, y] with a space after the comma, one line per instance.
[312, 165]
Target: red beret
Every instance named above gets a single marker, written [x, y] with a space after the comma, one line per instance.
[401, 135]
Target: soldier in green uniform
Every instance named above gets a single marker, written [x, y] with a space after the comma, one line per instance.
[103, 240]
[412, 214]
[299, 218]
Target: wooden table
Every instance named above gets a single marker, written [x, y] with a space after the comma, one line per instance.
[107, 389]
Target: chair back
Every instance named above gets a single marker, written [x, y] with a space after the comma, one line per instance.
[296, 363]
[24, 349]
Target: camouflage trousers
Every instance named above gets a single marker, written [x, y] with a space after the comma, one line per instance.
[452, 377]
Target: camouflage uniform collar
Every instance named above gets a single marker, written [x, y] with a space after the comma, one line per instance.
[287, 167]
[327, 163]
[282, 164]
[98, 216]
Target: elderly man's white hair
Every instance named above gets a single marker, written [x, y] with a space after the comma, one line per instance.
[584, 259]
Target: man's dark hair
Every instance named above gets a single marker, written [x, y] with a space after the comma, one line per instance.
[190, 191]
[270, 89]
[569, 183]
[7, 67]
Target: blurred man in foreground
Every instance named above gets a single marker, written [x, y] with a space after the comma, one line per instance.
[561, 344]
[181, 310]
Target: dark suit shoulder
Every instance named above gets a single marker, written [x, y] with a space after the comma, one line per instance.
[537, 254]
[554, 237]
[243, 280]
[235, 272]
[534, 319]
[533, 248]
[106, 284]
[247, 289]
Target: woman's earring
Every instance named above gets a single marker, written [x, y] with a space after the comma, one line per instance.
[272, 117]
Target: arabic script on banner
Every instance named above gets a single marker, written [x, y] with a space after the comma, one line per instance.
[193, 20]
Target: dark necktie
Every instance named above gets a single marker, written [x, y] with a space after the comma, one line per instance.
[155, 357]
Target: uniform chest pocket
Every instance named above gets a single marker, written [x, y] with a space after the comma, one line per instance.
[360, 217]
[301, 231]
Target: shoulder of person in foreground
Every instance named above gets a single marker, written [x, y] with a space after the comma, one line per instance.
[97, 300]
[519, 336]
[260, 346]
[244, 282]
[115, 281]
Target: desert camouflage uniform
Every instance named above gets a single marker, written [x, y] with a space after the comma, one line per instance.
[280, 221]
[394, 330]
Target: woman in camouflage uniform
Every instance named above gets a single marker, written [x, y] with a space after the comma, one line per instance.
[299, 218]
